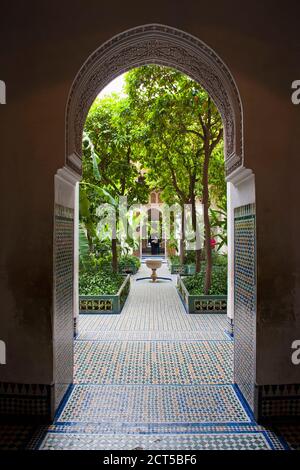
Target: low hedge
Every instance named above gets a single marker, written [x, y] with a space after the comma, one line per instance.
[217, 259]
[129, 261]
[105, 264]
[195, 282]
[100, 283]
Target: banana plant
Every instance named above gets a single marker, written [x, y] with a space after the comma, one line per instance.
[89, 148]
[218, 220]
[84, 251]
[103, 230]
[103, 197]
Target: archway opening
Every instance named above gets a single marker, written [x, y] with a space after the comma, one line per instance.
[158, 147]
[155, 44]
[157, 144]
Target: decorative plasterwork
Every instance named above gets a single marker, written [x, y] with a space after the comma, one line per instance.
[162, 45]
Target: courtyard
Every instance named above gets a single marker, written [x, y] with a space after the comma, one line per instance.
[154, 377]
[130, 136]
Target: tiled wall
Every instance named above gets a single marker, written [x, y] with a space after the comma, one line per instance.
[245, 300]
[25, 402]
[278, 402]
[63, 325]
[38, 402]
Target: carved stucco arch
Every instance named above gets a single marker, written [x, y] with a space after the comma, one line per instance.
[161, 45]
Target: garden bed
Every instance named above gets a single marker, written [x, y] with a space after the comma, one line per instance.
[189, 267]
[129, 270]
[129, 264]
[105, 303]
[183, 269]
[199, 303]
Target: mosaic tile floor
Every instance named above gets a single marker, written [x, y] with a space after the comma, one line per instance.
[153, 404]
[153, 312]
[228, 441]
[154, 377]
[15, 437]
[290, 433]
[140, 362]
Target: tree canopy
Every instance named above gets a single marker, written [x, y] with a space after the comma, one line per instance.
[112, 129]
[182, 132]
[166, 125]
[170, 109]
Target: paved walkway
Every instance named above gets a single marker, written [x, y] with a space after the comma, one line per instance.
[153, 311]
[155, 377]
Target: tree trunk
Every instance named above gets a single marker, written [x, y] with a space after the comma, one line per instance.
[90, 242]
[182, 239]
[114, 255]
[207, 228]
[194, 224]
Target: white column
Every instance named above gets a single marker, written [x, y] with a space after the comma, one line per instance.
[230, 246]
[76, 260]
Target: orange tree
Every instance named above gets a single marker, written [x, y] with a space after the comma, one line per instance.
[181, 131]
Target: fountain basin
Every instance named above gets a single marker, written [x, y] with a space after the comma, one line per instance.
[154, 265]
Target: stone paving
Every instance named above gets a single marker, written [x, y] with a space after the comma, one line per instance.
[154, 377]
[153, 311]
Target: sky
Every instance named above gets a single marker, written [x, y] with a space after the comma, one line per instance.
[113, 87]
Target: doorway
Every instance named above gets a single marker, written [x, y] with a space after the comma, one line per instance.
[162, 45]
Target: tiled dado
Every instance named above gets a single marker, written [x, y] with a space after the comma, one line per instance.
[25, 402]
[37, 403]
[63, 322]
[278, 402]
[245, 300]
[269, 402]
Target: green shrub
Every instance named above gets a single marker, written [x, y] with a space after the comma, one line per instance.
[217, 259]
[195, 283]
[99, 283]
[129, 261]
[175, 259]
[189, 258]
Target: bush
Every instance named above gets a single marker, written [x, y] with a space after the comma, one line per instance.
[129, 261]
[99, 283]
[175, 259]
[195, 283]
[217, 259]
[189, 258]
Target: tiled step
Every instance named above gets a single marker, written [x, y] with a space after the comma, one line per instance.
[229, 440]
